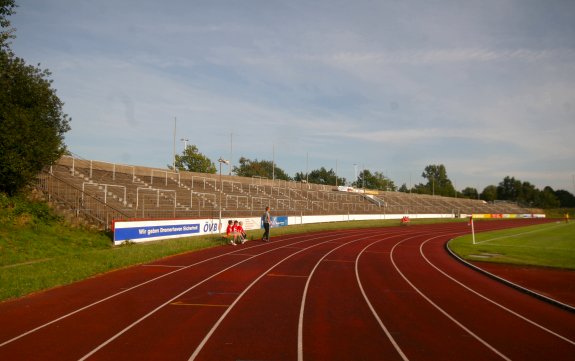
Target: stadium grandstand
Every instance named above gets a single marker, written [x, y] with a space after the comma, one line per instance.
[100, 192]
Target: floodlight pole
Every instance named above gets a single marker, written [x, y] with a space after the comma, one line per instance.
[221, 160]
[174, 146]
[336, 172]
[185, 140]
[231, 152]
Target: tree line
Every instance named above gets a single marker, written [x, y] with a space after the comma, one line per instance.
[436, 181]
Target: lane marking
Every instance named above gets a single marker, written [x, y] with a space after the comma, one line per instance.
[102, 345]
[369, 304]
[445, 313]
[67, 315]
[224, 315]
[492, 301]
[304, 296]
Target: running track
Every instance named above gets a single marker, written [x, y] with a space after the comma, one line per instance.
[375, 294]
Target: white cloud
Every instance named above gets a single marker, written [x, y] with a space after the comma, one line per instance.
[376, 81]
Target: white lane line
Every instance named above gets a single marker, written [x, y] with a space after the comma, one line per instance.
[167, 303]
[366, 298]
[174, 298]
[265, 273]
[120, 293]
[304, 296]
[492, 301]
[445, 313]
[102, 300]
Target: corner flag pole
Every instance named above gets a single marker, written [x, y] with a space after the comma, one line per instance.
[472, 228]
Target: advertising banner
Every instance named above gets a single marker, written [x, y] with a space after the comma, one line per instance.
[143, 231]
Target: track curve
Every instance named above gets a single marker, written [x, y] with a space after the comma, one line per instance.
[370, 294]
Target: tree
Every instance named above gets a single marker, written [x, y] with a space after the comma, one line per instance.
[437, 182]
[32, 123]
[404, 188]
[489, 193]
[263, 168]
[528, 194]
[192, 160]
[374, 181]
[546, 198]
[509, 189]
[6, 9]
[566, 199]
[320, 176]
[470, 192]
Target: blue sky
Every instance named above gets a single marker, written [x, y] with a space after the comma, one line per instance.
[485, 87]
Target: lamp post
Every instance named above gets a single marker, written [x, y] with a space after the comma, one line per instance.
[185, 140]
[221, 160]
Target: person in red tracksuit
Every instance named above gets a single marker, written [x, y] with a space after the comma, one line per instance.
[231, 235]
[242, 232]
[237, 229]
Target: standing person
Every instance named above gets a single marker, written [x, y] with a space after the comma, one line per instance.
[266, 220]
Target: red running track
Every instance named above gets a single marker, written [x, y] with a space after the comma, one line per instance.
[375, 294]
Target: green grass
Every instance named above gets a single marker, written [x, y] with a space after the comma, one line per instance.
[548, 245]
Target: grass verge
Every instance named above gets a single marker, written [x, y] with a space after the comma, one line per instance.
[547, 245]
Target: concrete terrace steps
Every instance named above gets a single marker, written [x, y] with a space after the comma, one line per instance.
[144, 192]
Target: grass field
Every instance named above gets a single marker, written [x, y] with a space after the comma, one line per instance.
[548, 245]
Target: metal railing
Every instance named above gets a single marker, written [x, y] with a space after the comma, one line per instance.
[80, 204]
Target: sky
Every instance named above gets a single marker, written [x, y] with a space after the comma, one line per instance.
[486, 87]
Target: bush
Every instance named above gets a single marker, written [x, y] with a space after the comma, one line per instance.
[19, 207]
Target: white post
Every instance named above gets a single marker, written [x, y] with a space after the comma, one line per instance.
[472, 228]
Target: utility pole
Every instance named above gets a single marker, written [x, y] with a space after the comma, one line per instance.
[174, 149]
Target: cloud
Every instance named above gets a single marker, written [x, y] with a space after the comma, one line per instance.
[441, 56]
[394, 84]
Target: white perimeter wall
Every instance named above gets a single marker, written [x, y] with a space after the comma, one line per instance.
[145, 231]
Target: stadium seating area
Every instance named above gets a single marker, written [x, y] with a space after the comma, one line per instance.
[101, 192]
